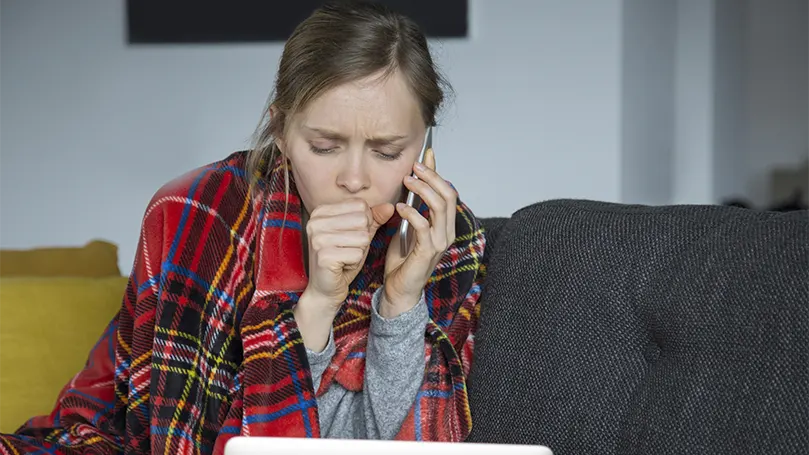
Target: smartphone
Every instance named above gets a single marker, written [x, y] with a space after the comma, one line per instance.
[412, 199]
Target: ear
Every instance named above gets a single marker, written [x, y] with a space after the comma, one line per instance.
[279, 140]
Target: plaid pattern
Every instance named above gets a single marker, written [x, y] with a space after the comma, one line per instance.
[205, 347]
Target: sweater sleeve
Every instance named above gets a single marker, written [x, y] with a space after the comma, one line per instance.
[319, 361]
[394, 368]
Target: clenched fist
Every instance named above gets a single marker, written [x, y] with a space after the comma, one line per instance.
[339, 237]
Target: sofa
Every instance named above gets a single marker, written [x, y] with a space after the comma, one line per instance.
[618, 329]
[54, 304]
[622, 329]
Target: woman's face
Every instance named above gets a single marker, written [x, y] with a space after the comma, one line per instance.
[357, 140]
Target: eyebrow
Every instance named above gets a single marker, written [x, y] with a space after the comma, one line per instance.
[378, 141]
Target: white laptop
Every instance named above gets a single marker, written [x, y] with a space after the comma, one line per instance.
[301, 446]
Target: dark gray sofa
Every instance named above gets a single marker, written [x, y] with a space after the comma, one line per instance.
[618, 329]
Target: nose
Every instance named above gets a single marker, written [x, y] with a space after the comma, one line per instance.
[353, 176]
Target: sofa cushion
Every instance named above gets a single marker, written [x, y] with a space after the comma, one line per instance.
[610, 328]
[47, 328]
[95, 259]
[492, 228]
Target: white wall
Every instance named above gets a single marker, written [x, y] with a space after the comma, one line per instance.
[682, 100]
[729, 100]
[739, 98]
[92, 127]
[647, 84]
[777, 87]
[693, 161]
[537, 111]
[646, 101]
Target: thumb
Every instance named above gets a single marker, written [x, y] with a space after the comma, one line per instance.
[429, 159]
[381, 214]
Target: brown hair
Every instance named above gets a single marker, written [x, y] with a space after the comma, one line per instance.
[340, 42]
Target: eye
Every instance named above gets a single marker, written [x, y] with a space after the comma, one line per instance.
[320, 151]
[389, 156]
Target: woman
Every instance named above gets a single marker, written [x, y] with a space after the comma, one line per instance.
[264, 299]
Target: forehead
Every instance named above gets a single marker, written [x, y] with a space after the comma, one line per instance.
[375, 102]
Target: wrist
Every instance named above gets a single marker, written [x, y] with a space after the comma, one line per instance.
[318, 304]
[314, 318]
[391, 306]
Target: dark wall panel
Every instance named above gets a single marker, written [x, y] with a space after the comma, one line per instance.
[234, 21]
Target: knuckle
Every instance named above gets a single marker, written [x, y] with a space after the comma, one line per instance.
[359, 220]
[441, 203]
[324, 260]
[318, 243]
[357, 204]
[318, 212]
[364, 237]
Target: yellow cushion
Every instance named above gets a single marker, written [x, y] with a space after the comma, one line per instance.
[96, 259]
[47, 328]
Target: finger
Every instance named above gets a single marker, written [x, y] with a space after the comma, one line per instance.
[429, 159]
[345, 239]
[452, 211]
[424, 241]
[353, 221]
[437, 205]
[336, 259]
[339, 208]
[380, 215]
[437, 182]
[443, 188]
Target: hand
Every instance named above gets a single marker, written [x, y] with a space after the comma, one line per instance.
[339, 237]
[406, 276]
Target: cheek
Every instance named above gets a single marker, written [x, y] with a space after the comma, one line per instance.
[390, 185]
[309, 182]
[313, 178]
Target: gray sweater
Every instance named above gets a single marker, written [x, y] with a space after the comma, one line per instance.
[394, 369]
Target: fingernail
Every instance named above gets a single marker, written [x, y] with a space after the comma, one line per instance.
[410, 178]
[420, 166]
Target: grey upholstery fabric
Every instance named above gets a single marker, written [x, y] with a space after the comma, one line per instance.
[494, 226]
[622, 329]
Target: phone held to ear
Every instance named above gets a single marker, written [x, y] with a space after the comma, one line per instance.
[413, 200]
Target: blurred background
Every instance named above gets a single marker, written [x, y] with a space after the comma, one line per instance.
[635, 101]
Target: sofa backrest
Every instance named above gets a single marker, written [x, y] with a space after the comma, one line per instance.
[623, 329]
